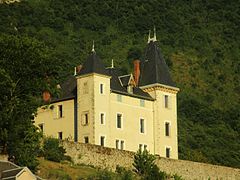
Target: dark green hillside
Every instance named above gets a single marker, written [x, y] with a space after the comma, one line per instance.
[200, 42]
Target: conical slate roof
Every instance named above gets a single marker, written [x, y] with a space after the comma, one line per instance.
[154, 68]
[93, 64]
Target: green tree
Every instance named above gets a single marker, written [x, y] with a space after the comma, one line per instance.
[52, 150]
[26, 69]
[144, 165]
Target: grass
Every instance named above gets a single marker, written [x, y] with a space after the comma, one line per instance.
[65, 170]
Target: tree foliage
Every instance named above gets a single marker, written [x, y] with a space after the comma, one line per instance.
[25, 71]
[199, 40]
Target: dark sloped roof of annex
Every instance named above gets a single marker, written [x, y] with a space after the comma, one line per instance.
[93, 64]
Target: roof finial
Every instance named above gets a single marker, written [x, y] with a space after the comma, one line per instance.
[112, 66]
[93, 50]
[75, 71]
[149, 36]
[155, 36]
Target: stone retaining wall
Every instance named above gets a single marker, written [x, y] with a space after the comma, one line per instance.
[109, 158]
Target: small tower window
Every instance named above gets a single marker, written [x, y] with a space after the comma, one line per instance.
[119, 120]
[86, 139]
[60, 111]
[167, 129]
[122, 145]
[166, 101]
[85, 118]
[60, 135]
[117, 144]
[101, 88]
[102, 118]
[168, 152]
[102, 140]
[141, 125]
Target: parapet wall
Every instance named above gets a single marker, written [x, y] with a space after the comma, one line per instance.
[109, 158]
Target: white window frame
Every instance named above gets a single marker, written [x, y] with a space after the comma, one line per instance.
[83, 118]
[169, 101]
[104, 140]
[121, 120]
[117, 143]
[60, 132]
[169, 130]
[85, 139]
[104, 118]
[59, 115]
[144, 125]
[170, 151]
[101, 88]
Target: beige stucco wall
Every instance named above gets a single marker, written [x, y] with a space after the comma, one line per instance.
[90, 101]
[131, 112]
[164, 115]
[26, 175]
[52, 124]
[110, 158]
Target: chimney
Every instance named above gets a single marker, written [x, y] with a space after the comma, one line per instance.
[136, 64]
[46, 96]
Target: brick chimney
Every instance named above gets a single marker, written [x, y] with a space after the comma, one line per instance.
[46, 96]
[136, 74]
[79, 67]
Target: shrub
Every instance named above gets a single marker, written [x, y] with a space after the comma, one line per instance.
[124, 174]
[52, 150]
[58, 174]
[144, 164]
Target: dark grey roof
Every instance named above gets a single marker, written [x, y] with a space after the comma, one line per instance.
[93, 64]
[12, 172]
[68, 89]
[154, 68]
[116, 86]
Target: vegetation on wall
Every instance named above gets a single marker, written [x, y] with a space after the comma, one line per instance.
[199, 40]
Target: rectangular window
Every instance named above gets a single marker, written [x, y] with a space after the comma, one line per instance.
[41, 127]
[142, 103]
[60, 135]
[86, 139]
[102, 140]
[140, 147]
[119, 120]
[141, 125]
[166, 101]
[102, 118]
[168, 152]
[85, 118]
[60, 111]
[119, 98]
[122, 145]
[145, 147]
[167, 129]
[101, 88]
[117, 144]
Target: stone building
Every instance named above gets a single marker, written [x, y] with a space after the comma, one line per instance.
[100, 106]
